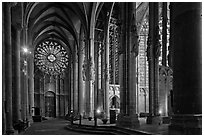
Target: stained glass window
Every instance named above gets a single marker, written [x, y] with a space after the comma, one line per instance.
[51, 57]
[114, 56]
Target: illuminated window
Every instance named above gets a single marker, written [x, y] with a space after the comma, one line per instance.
[51, 57]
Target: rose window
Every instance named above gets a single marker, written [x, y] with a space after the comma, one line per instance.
[51, 57]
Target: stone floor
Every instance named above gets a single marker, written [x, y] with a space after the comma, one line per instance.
[50, 127]
[57, 127]
[153, 129]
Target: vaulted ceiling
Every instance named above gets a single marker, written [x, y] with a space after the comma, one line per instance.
[62, 21]
[59, 21]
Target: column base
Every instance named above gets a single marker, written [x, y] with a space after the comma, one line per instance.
[186, 124]
[155, 120]
[10, 131]
[166, 120]
[30, 120]
[85, 115]
[131, 121]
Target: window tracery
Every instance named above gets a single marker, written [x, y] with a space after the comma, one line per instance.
[51, 57]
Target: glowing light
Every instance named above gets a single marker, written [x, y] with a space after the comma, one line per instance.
[98, 111]
[25, 50]
[160, 112]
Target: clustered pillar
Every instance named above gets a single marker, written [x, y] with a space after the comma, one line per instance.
[81, 91]
[8, 68]
[106, 74]
[75, 82]
[127, 76]
[17, 92]
[17, 103]
[186, 33]
[31, 84]
[153, 52]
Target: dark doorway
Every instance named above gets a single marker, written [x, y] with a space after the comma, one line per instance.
[50, 104]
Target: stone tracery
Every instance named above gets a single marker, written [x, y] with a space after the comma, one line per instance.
[51, 57]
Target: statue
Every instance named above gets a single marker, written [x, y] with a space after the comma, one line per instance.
[88, 70]
[92, 69]
[84, 70]
[134, 37]
[157, 51]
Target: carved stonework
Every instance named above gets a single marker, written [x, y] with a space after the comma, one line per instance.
[119, 30]
[162, 70]
[162, 73]
[92, 69]
[149, 44]
[135, 45]
[134, 37]
[169, 56]
[106, 73]
[84, 70]
[100, 49]
[156, 44]
[157, 51]
[12, 4]
[88, 70]
[170, 77]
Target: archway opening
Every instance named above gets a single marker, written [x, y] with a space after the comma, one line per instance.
[50, 107]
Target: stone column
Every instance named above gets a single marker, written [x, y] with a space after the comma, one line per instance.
[96, 83]
[57, 95]
[128, 53]
[164, 33]
[86, 78]
[153, 52]
[187, 67]
[106, 78]
[31, 84]
[75, 64]
[71, 86]
[69, 89]
[66, 91]
[89, 76]
[43, 95]
[17, 72]
[60, 96]
[4, 15]
[8, 67]
[101, 92]
[170, 47]
[92, 75]
[81, 93]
